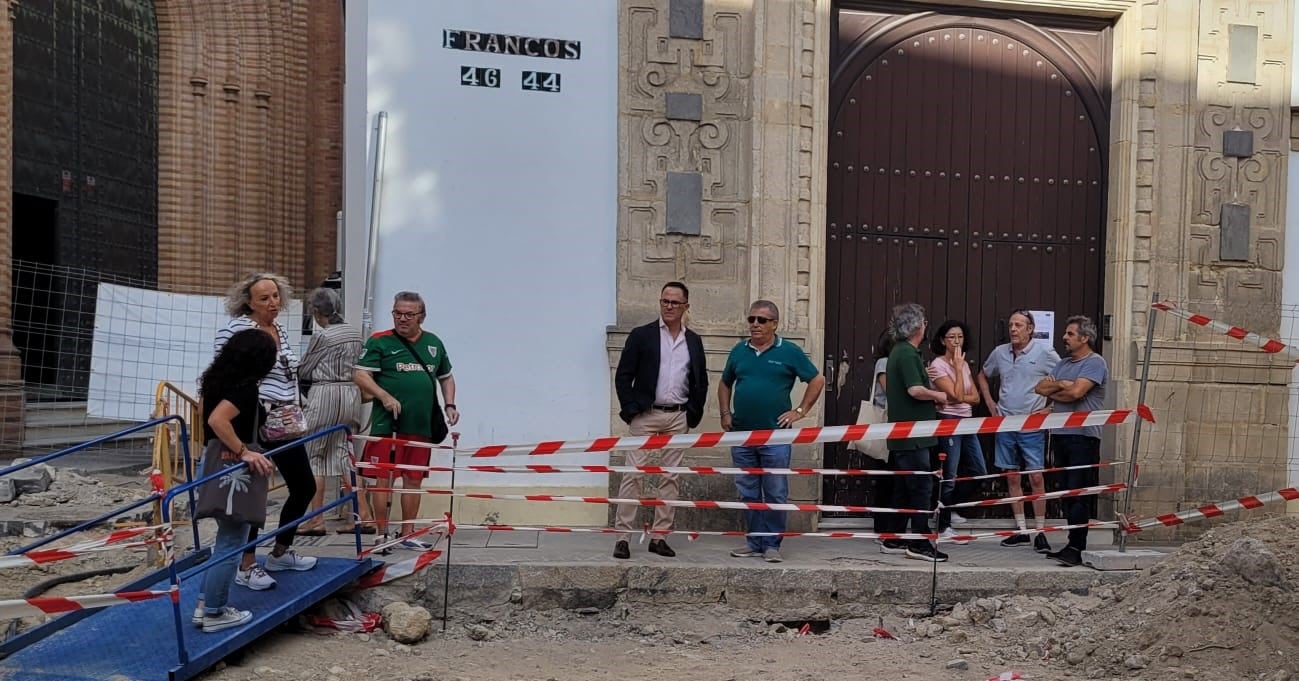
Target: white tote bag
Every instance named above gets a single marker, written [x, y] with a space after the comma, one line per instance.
[871, 413]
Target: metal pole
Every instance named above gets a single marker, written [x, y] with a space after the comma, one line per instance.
[376, 203]
[451, 506]
[938, 512]
[340, 247]
[1136, 430]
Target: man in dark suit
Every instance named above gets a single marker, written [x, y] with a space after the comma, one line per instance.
[662, 384]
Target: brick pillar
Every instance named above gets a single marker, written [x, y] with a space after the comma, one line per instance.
[324, 138]
[11, 383]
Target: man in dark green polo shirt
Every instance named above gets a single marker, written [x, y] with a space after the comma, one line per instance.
[754, 395]
[910, 399]
[402, 369]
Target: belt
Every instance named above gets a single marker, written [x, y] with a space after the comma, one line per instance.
[669, 407]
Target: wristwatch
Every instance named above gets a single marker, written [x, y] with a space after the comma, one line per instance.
[799, 410]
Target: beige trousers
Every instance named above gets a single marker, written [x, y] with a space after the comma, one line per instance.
[651, 422]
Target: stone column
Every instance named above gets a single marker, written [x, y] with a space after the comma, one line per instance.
[11, 380]
[1206, 155]
[717, 187]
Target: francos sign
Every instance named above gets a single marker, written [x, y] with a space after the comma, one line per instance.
[513, 45]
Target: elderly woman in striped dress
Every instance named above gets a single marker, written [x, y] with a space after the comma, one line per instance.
[332, 400]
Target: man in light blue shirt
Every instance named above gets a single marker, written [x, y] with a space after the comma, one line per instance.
[1020, 364]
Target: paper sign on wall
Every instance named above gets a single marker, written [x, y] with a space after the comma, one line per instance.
[1044, 327]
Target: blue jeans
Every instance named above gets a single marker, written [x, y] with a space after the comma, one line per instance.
[771, 489]
[959, 448]
[217, 579]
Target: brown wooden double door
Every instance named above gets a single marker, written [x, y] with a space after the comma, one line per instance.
[967, 173]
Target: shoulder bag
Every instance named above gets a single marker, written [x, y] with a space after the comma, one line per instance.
[238, 496]
[285, 421]
[871, 413]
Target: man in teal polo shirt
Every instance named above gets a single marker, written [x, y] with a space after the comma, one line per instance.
[759, 374]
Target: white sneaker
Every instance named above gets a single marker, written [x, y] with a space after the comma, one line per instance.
[947, 535]
[254, 578]
[290, 560]
[228, 617]
[197, 618]
[958, 520]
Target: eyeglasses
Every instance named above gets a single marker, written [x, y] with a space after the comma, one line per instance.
[672, 303]
[404, 315]
[754, 319]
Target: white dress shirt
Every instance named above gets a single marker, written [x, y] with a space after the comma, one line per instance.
[674, 360]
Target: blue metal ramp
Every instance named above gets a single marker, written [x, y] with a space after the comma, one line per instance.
[137, 641]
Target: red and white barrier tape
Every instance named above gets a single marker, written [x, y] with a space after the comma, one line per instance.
[676, 503]
[392, 571]
[1214, 510]
[1268, 345]
[695, 534]
[648, 470]
[1081, 491]
[1057, 469]
[112, 542]
[812, 435]
[28, 607]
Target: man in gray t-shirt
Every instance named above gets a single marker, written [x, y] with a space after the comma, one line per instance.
[1077, 384]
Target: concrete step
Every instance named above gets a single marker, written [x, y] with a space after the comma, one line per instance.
[53, 425]
[820, 578]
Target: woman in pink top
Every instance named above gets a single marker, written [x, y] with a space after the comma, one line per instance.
[951, 374]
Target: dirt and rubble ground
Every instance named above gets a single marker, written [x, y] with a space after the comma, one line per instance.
[1222, 607]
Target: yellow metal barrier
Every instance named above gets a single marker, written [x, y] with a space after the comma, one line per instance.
[167, 453]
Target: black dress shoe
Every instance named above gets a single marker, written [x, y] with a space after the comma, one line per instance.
[622, 551]
[661, 547]
[1068, 557]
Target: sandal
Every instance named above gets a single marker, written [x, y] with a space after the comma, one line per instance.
[365, 529]
[312, 532]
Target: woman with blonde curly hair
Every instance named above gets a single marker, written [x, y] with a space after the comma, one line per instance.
[255, 303]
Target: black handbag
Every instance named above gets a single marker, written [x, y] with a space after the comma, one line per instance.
[438, 421]
[238, 496]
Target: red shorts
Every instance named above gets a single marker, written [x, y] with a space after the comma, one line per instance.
[389, 451]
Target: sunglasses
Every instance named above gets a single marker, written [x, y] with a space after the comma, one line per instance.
[754, 319]
[404, 315]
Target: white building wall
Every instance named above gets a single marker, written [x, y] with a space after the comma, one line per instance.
[1290, 274]
[499, 206]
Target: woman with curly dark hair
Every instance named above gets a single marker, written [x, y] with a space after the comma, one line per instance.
[231, 412]
[952, 375]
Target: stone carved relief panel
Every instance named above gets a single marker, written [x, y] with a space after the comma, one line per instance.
[1254, 180]
[1258, 180]
[719, 68]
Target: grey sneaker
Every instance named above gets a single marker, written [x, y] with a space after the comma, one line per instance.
[197, 618]
[255, 578]
[227, 618]
[289, 560]
[746, 552]
[772, 556]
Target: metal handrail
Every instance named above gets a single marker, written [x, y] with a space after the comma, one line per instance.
[158, 422]
[189, 487]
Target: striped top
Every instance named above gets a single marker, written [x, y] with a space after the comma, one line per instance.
[280, 386]
[332, 353]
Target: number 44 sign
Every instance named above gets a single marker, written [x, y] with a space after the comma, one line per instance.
[541, 81]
